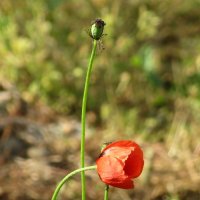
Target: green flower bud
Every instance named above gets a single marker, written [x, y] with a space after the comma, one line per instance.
[97, 28]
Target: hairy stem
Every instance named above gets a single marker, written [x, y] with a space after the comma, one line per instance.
[59, 186]
[84, 104]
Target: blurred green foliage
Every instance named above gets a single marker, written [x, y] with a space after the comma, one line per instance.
[148, 70]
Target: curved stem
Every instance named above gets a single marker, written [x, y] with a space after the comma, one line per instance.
[84, 103]
[106, 192]
[59, 186]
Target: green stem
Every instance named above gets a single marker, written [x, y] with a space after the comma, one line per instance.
[59, 186]
[84, 103]
[106, 192]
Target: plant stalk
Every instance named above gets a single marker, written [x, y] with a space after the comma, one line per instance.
[83, 116]
[106, 192]
[59, 186]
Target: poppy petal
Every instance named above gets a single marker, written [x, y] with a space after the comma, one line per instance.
[126, 184]
[110, 169]
[134, 165]
[118, 152]
[121, 143]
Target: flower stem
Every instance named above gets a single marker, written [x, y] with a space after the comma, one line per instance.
[106, 192]
[84, 103]
[59, 186]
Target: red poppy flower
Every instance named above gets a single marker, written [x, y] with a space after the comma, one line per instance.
[119, 163]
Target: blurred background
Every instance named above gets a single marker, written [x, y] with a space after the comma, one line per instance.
[145, 86]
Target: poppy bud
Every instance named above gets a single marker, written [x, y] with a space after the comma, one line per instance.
[97, 28]
[119, 163]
